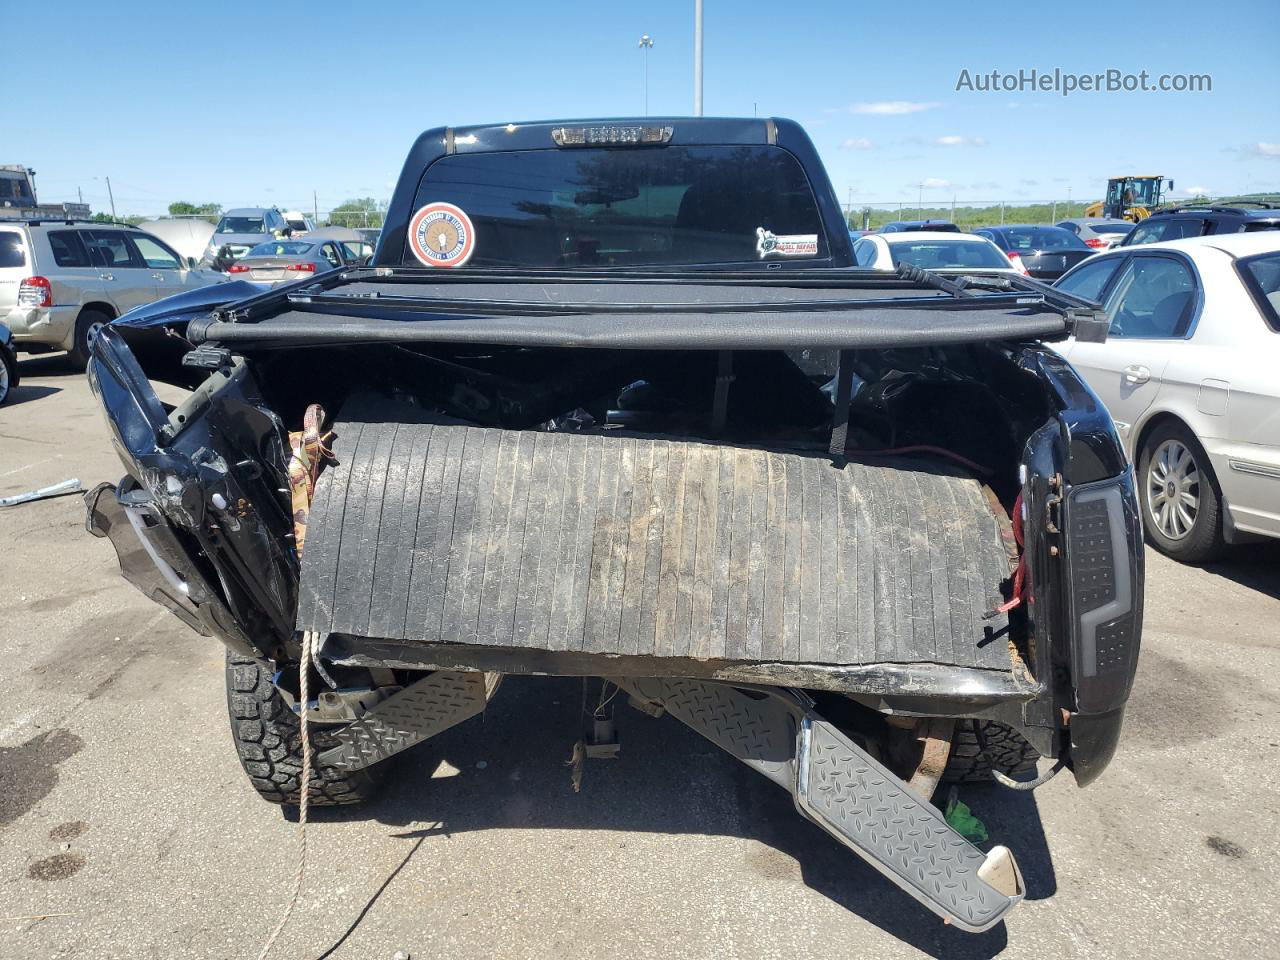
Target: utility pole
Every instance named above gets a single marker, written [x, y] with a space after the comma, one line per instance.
[697, 58]
[646, 44]
[315, 209]
[112, 196]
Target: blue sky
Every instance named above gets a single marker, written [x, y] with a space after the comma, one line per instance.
[265, 103]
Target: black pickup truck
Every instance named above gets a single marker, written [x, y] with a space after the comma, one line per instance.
[613, 401]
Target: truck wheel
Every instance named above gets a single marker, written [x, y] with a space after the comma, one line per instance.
[1009, 753]
[88, 325]
[1181, 503]
[268, 739]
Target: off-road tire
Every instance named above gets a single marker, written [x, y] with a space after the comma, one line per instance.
[268, 739]
[1205, 541]
[78, 355]
[1008, 752]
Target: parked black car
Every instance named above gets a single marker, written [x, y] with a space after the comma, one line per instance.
[1198, 221]
[905, 226]
[646, 436]
[8, 363]
[1045, 253]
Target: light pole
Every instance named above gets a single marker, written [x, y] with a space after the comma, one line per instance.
[646, 44]
[697, 58]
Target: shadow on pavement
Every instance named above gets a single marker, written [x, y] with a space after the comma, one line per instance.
[668, 780]
[24, 393]
[47, 365]
[1252, 565]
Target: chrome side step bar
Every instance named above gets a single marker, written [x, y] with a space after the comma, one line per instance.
[847, 792]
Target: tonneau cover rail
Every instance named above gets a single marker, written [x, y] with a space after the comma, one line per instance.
[911, 308]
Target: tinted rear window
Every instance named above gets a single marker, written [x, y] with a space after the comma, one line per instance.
[1121, 228]
[941, 254]
[279, 248]
[628, 207]
[1252, 225]
[1041, 238]
[1156, 231]
[241, 225]
[1261, 274]
[68, 248]
[12, 253]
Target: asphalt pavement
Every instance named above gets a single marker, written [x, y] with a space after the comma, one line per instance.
[128, 830]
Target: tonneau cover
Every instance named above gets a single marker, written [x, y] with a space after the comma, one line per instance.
[642, 547]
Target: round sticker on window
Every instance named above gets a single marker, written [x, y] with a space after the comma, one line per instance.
[441, 235]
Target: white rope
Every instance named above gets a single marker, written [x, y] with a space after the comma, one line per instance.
[304, 787]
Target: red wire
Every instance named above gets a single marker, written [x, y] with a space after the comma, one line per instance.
[1020, 574]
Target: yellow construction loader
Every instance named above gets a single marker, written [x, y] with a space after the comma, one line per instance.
[1130, 198]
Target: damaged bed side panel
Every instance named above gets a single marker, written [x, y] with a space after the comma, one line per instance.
[211, 474]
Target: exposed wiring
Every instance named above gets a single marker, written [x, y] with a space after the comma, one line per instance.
[1017, 594]
[1004, 779]
[925, 448]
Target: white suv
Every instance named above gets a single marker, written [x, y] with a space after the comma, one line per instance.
[61, 281]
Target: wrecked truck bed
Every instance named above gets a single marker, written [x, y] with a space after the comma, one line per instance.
[628, 555]
[829, 522]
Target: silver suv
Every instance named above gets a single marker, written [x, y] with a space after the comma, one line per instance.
[62, 280]
[242, 229]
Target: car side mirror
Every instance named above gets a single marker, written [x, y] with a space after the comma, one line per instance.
[190, 262]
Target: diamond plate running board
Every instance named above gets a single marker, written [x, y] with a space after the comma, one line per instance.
[844, 790]
[421, 710]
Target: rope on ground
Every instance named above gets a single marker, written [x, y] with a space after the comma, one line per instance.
[304, 788]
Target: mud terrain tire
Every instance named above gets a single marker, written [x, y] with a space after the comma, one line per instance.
[1009, 753]
[268, 739]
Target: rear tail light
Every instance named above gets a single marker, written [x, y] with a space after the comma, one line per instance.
[1097, 243]
[1018, 264]
[35, 292]
[237, 268]
[1105, 593]
[301, 268]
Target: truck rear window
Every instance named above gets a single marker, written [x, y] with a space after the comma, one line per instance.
[630, 207]
[12, 253]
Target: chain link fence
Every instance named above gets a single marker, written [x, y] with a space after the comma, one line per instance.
[966, 214]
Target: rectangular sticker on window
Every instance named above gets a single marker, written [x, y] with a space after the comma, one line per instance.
[786, 245]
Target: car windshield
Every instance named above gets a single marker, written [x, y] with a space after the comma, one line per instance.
[241, 225]
[1041, 238]
[280, 248]
[628, 207]
[944, 254]
[297, 224]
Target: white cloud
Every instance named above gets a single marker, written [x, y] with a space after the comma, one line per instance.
[892, 108]
[958, 141]
[1264, 150]
[933, 183]
[858, 143]
[1197, 191]
[1029, 183]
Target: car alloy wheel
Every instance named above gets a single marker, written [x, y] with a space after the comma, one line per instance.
[1173, 489]
[4, 379]
[91, 334]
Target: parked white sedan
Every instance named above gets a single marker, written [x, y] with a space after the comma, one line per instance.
[934, 250]
[1191, 374]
